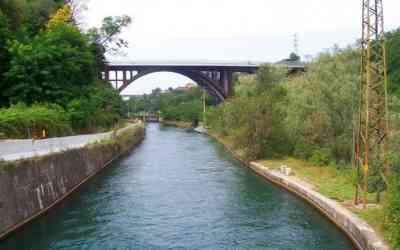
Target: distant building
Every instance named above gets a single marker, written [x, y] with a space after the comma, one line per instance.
[187, 87]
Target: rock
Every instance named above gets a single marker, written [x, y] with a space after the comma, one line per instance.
[288, 171]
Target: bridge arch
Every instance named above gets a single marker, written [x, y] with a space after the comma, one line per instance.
[200, 78]
[216, 78]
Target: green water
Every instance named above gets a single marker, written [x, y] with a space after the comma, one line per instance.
[179, 190]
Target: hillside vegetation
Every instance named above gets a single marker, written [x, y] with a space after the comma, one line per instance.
[49, 67]
[310, 117]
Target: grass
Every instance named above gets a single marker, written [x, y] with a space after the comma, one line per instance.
[228, 142]
[374, 217]
[334, 183]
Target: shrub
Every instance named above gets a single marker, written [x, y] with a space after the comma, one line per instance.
[53, 67]
[320, 158]
[100, 107]
[187, 111]
[21, 121]
[393, 212]
[254, 123]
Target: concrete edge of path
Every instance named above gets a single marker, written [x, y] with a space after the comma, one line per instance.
[62, 147]
[362, 234]
[30, 188]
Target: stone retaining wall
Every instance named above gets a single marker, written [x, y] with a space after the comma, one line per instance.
[362, 235]
[178, 124]
[30, 187]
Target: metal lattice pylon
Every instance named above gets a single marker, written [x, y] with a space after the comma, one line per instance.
[373, 125]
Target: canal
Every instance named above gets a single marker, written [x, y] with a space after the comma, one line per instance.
[179, 190]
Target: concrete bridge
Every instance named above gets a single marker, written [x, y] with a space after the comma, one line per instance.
[214, 77]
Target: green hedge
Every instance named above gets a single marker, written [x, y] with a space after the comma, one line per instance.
[187, 112]
[20, 121]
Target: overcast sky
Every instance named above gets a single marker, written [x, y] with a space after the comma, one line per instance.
[231, 30]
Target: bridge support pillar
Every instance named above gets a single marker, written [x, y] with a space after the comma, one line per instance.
[106, 75]
[227, 83]
[124, 79]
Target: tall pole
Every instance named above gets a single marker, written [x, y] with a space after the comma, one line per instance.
[204, 108]
[373, 125]
[296, 43]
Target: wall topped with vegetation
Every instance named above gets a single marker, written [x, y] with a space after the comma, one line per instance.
[30, 187]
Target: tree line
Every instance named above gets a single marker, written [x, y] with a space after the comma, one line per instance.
[173, 104]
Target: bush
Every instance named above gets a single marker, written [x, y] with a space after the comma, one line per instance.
[321, 105]
[22, 121]
[52, 67]
[100, 107]
[255, 123]
[393, 211]
[320, 158]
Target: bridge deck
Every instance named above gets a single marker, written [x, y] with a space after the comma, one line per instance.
[204, 66]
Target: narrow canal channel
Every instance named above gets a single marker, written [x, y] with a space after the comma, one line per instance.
[179, 190]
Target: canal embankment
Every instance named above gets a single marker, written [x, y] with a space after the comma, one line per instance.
[359, 231]
[179, 190]
[33, 182]
[178, 124]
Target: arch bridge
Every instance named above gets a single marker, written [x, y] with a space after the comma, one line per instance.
[214, 77]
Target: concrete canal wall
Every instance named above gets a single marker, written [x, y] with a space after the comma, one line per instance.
[178, 124]
[29, 187]
[362, 235]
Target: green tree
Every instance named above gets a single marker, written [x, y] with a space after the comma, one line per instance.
[107, 35]
[322, 105]
[294, 57]
[53, 67]
[106, 38]
[35, 16]
[12, 10]
[99, 106]
[4, 55]
[255, 118]
[393, 52]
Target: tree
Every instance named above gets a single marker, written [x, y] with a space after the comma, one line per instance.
[5, 35]
[53, 67]
[393, 52]
[12, 10]
[268, 76]
[35, 16]
[77, 7]
[322, 105]
[108, 34]
[99, 106]
[61, 17]
[106, 39]
[294, 57]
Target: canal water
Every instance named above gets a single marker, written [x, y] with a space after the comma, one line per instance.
[179, 190]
